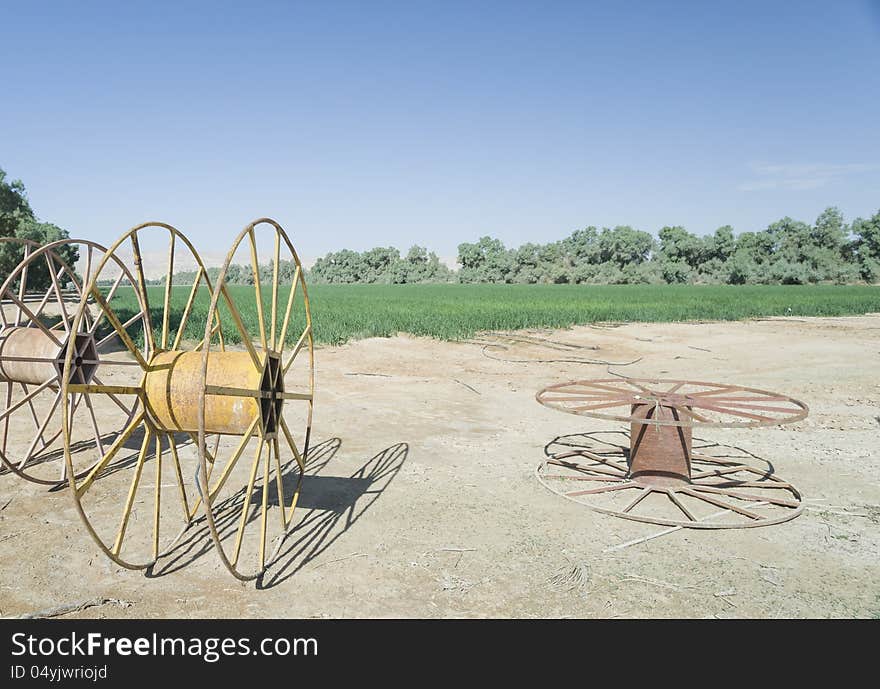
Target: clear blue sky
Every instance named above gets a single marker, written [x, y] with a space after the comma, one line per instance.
[383, 123]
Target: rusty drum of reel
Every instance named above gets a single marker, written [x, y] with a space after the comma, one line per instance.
[659, 476]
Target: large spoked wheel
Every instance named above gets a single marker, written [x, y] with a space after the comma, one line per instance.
[135, 501]
[259, 397]
[39, 303]
[679, 403]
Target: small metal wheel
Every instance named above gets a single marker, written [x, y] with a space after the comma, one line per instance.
[726, 489]
[39, 299]
[258, 395]
[132, 516]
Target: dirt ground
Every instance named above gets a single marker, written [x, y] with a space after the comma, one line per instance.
[425, 503]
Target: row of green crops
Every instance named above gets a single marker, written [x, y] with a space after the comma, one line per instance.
[449, 312]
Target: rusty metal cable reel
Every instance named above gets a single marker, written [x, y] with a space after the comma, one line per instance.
[258, 395]
[133, 516]
[659, 477]
[39, 301]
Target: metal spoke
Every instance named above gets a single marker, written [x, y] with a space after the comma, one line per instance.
[5, 415]
[641, 496]
[299, 344]
[33, 319]
[594, 407]
[246, 502]
[110, 295]
[275, 263]
[121, 439]
[113, 397]
[24, 400]
[166, 304]
[680, 505]
[41, 430]
[132, 491]
[120, 329]
[181, 328]
[22, 282]
[98, 442]
[65, 317]
[566, 477]
[279, 481]
[720, 503]
[30, 404]
[609, 471]
[172, 446]
[264, 515]
[722, 410]
[142, 282]
[283, 334]
[248, 434]
[236, 317]
[603, 489]
[746, 496]
[157, 503]
[289, 438]
[258, 291]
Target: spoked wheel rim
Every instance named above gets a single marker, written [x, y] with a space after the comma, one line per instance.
[264, 465]
[133, 518]
[680, 403]
[723, 493]
[42, 460]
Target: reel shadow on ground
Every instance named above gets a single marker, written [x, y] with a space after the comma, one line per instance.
[196, 540]
[333, 505]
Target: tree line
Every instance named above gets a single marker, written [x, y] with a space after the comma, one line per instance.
[786, 252]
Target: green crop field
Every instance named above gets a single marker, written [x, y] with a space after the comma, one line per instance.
[346, 312]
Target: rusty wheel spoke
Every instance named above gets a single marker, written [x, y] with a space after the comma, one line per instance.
[604, 489]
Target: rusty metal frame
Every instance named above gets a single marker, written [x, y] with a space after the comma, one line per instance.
[660, 460]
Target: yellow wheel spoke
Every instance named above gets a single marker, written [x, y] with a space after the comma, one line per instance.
[230, 465]
[120, 329]
[302, 339]
[246, 502]
[255, 266]
[246, 339]
[132, 492]
[157, 505]
[166, 306]
[187, 309]
[142, 282]
[121, 439]
[172, 446]
[289, 437]
[277, 259]
[264, 515]
[290, 297]
[279, 481]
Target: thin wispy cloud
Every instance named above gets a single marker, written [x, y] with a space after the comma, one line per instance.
[801, 177]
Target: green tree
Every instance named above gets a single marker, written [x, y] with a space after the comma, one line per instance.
[624, 246]
[866, 247]
[486, 261]
[17, 219]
